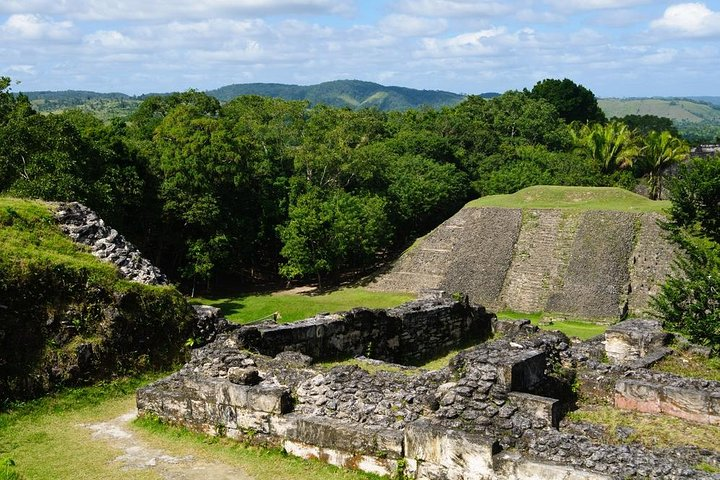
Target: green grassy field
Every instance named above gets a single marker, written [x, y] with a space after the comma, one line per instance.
[28, 234]
[296, 306]
[573, 198]
[49, 439]
[582, 329]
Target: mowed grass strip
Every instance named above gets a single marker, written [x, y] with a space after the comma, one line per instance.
[573, 198]
[49, 439]
[297, 306]
[582, 329]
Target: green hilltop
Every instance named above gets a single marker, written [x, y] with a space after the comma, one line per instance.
[677, 109]
[573, 198]
[344, 93]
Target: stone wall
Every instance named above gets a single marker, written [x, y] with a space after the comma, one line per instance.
[492, 413]
[654, 392]
[601, 264]
[406, 334]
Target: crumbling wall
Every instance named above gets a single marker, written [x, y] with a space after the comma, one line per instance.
[406, 334]
[86, 227]
[481, 417]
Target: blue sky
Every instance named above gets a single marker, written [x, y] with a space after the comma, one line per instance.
[614, 47]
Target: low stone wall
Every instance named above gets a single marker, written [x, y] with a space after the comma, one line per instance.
[406, 334]
[654, 392]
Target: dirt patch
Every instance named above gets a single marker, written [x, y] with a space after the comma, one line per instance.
[296, 291]
[138, 455]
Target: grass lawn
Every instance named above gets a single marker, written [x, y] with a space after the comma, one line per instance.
[296, 306]
[651, 430]
[582, 329]
[573, 198]
[48, 439]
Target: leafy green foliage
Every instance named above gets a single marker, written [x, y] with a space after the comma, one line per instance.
[613, 146]
[331, 230]
[661, 150]
[689, 302]
[231, 191]
[644, 124]
[573, 102]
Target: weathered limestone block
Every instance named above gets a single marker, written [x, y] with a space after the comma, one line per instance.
[633, 339]
[243, 376]
[545, 408]
[348, 437]
[440, 453]
[521, 370]
[691, 402]
[510, 466]
[366, 463]
[638, 396]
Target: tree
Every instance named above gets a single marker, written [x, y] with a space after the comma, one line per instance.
[331, 230]
[689, 301]
[612, 146]
[660, 151]
[644, 124]
[573, 102]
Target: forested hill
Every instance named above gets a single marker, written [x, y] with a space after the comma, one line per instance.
[341, 93]
[344, 93]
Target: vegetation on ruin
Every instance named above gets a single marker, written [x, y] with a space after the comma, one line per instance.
[573, 198]
[55, 296]
[687, 363]
[651, 430]
[292, 305]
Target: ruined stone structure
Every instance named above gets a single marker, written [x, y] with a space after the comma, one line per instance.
[589, 263]
[86, 227]
[493, 413]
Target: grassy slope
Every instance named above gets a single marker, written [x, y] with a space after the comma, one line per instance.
[291, 306]
[47, 439]
[573, 198]
[677, 110]
[28, 234]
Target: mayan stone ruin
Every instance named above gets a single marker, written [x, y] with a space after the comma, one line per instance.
[343, 388]
[591, 264]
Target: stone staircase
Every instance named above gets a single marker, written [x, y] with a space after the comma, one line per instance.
[601, 264]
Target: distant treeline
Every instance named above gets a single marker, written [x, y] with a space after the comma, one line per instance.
[260, 187]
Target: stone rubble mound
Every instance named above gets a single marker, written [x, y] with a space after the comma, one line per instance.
[85, 226]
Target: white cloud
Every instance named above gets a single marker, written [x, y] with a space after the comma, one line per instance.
[35, 27]
[109, 39]
[689, 20]
[454, 8]
[528, 15]
[412, 26]
[579, 5]
[174, 9]
[493, 41]
[25, 69]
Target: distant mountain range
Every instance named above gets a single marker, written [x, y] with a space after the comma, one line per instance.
[341, 93]
[687, 112]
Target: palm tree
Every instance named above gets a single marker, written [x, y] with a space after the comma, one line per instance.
[661, 150]
[613, 146]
